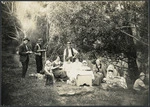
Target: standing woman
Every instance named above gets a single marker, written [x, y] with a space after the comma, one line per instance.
[38, 55]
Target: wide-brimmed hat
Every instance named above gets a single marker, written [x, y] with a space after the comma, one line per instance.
[26, 39]
[142, 74]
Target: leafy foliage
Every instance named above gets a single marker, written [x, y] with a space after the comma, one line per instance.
[100, 28]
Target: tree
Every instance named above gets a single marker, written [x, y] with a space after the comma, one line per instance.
[106, 28]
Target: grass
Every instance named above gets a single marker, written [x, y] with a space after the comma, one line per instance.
[32, 91]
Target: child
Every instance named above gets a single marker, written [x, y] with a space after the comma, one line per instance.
[48, 73]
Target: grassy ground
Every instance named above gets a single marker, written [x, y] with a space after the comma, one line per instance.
[33, 92]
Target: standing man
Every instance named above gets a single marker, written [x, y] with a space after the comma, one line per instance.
[38, 55]
[70, 53]
[24, 52]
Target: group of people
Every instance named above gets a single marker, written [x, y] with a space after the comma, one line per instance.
[25, 50]
[55, 70]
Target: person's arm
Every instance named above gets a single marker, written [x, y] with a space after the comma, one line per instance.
[47, 71]
[64, 55]
[141, 83]
[21, 51]
[54, 66]
[75, 53]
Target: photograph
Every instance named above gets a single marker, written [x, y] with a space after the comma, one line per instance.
[75, 53]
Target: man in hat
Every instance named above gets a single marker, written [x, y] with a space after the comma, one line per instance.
[70, 53]
[38, 55]
[24, 52]
[139, 84]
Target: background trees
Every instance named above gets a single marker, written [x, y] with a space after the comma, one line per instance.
[100, 28]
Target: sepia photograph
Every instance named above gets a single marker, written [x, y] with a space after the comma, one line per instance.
[75, 53]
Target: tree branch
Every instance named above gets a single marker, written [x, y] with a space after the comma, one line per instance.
[13, 37]
[134, 38]
[125, 27]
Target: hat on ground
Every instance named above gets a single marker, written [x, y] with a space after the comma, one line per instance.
[142, 74]
[26, 39]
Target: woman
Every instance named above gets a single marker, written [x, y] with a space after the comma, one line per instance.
[99, 72]
[113, 78]
[57, 69]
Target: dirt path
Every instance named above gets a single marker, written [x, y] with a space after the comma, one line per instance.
[32, 91]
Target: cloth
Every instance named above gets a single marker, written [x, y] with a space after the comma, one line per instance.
[38, 58]
[24, 59]
[76, 68]
[69, 54]
[138, 85]
[116, 82]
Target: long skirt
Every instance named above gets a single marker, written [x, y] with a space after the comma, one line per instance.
[98, 78]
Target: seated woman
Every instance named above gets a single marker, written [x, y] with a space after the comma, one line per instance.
[98, 72]
[57, 70]
[113, 78]
[48, 73]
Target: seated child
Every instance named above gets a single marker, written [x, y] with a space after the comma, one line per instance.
[139, 84]
[48, 73]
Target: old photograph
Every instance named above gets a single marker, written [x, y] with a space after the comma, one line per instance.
[74, 53]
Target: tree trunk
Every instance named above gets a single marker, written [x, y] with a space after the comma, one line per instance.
[131, 55]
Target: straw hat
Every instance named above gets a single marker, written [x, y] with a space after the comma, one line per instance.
[142, 74]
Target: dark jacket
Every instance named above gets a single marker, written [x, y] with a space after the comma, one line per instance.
[22, 52]
[36, 48]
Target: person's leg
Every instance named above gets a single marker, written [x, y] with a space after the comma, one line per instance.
[38, 64]
[27, 63]
[46, 80]
[23, 69]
